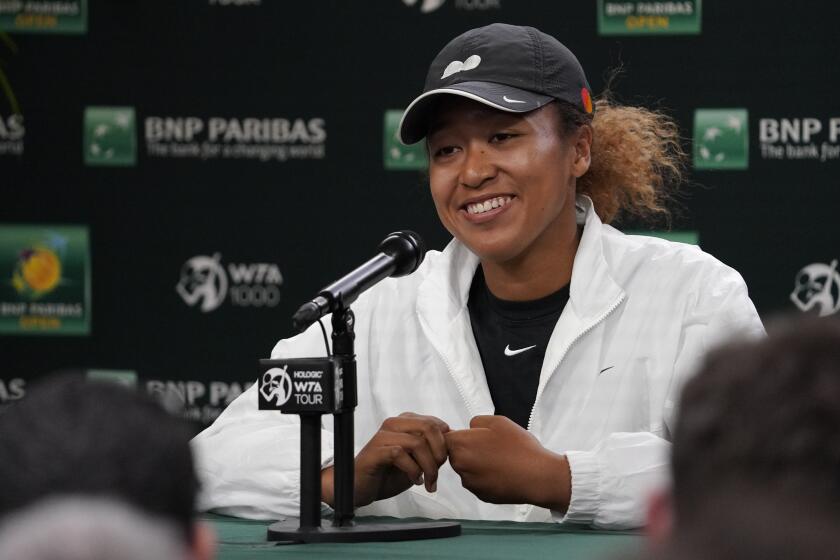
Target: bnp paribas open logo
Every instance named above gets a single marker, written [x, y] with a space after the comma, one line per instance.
[644, 17]
[109, 136]
[721, 139]
[398, 156]
[44, 280]
[44, 16]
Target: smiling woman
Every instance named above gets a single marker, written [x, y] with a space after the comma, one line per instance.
[529, 370]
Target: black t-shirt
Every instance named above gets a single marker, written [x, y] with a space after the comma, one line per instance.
[512, 337]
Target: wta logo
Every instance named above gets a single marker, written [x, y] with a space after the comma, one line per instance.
[207, 283]
[276, 385]
[203, 282]
[817, 286]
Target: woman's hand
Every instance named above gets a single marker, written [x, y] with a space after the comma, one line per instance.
[408, 449]
[502, 463]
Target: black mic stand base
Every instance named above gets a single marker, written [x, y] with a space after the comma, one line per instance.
[288, 530]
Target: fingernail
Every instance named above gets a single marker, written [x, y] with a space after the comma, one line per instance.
[419, 481]
[434, 486]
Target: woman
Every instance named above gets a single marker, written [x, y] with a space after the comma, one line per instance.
[528, 371]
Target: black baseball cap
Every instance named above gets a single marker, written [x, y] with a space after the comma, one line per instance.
[508, 67]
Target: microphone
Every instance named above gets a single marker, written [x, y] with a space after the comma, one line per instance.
[399, 254]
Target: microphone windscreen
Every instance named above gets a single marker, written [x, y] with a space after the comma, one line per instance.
[407, 249]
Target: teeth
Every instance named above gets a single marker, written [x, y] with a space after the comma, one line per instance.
[481, 207]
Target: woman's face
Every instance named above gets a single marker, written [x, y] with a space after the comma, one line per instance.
[504, 183]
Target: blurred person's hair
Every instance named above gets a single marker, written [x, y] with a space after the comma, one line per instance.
[747, 522]
[78, 528]
[763, 413]
[94, 438]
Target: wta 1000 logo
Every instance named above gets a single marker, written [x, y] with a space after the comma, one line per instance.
[207, 283]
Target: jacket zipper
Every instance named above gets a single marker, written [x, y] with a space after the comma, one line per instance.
[566, 351]
[451, 374]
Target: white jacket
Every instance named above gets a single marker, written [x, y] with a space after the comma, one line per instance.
[641, 312]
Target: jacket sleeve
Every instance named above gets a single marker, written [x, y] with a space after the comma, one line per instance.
[248, 461]
[612, 482]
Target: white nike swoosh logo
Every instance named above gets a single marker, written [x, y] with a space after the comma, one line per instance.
[509, 100]
[509, 352]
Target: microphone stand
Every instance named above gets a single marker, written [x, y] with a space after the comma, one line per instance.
[308, 529]
[343, 338]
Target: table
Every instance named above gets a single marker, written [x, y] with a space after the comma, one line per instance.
[480, 540]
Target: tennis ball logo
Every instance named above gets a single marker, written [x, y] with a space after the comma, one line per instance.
[37, 272]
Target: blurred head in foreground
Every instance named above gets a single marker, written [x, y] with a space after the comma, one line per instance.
[75, 528]
[754, 524]
[70, 436]
[759, 421]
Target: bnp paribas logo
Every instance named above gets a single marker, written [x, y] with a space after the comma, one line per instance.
[109, 136]
[397, 155]
[721, 139]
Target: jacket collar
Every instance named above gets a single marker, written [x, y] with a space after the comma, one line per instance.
[442, 307]
[593, 287]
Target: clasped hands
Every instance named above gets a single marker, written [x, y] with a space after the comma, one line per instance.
[497, 460]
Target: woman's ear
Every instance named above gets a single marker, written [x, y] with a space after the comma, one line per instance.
[583, 151]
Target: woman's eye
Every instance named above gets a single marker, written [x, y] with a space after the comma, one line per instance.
[445, 151]
[501, 136]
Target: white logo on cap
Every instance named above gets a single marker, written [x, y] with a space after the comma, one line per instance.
[457, 66]
[509, 100]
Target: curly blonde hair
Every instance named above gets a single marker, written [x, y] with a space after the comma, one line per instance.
[637, 159]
